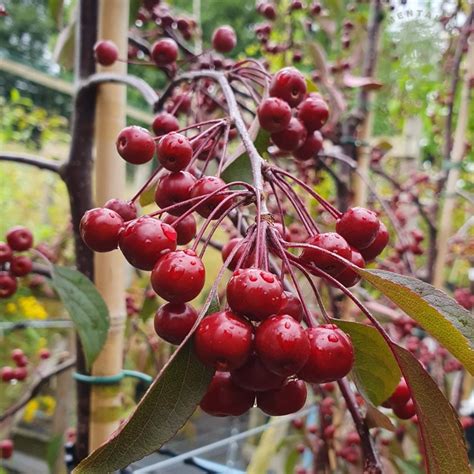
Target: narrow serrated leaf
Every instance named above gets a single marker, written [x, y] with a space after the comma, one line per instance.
[441, 433]
[376, 372]
[86, 308]
[434, 310]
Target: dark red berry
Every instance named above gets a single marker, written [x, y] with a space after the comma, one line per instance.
[224, 398]
[7, 374]
[185, 228]
[359, 226]
[144, 240]
[246, 261]
[331, 355]
[20, 265]
[164, 52]
[100, 229]
[6, 449]
[106, 52]
[282, 345]
[289, 398]
[8, 285]
[174, 151]
[292, 306]
[173, 321]
[349, 277]
[268, 11]
[19, 238]
[405, 412]
[274, 114]
[17, 354]
[224, 39]
[44, 353]
[313, 112]
[6, 252]
[254, 376]
[255, 293]
[164, 123]
[21, 361]
[223, 340]
[175, 188]
[290, 85]
[310, 148]
[127, 210]
[205, 186]
[400, 395]
[178, 276]
[292, 137]
[331, 242]
[135, 145]
[378, 245]
[20, 373]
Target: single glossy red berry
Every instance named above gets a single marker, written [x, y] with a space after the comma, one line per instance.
[224, 39]
[255, 293]
[254, 376]
[20, 373]
[205, 186]
[268, 11]
[289, 398]
[178, 276]
[175, 188]
[378, 245]
[135, 145]
[185, 228]
[224, 398]
[292, 137]
[144, 240]
[164, 123]
[331, 355]
[313, 113]
[349, 277]
[174, 151]
[359, 226]
[19, 238]
[223, 340]
[400, 395]
[6, 449]
[106, 52]
[164, 52]
[282, 345]
[331, 242]
[6, 252]
[127, 210]
[290, 85]
[405, 412]
[7, 374]
[21, 361]
[173, 321]
[292, 306]
[274, 114]
[8, 285]
[20, 265]
[310, 148]
[246, 261]
[100, 229]
[17, 354]
[44, 353]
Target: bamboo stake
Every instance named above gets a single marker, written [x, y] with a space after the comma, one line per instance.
[106, 402]
[457, 154]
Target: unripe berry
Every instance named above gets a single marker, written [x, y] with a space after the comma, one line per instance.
[106, 52]
[100, 229]
[224, 39]
[135, 145]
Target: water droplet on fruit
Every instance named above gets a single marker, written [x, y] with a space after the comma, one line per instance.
[333, 338]
[267, 277]
[252, 278]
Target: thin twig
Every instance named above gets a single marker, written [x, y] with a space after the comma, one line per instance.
[33, 160]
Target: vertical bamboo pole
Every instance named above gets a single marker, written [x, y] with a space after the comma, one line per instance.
[110, 180]
[457, 154]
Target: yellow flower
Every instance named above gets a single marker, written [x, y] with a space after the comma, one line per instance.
[48, 404]
[31, 308]
[11, 308]
[30, 411]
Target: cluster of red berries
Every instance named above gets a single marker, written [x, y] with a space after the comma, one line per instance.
[262, 352]
[12, 265]
[292, 116]
[20, 372]
[401, 402]
[6, 448]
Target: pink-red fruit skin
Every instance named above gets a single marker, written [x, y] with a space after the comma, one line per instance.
[175, 188]
[20, 265]
[173, 321]
[6, 252]
[313, 112]
[224, 39]
[125, 209]
[289, 398]
[274, 114]
[164, 52]
[223, 340]
[174, 151]
[359, 226]
[135, 145]
[378, 245]
[290, 85]
[100, 229]
[19, 238]
[164, 123]
[6, 449]
[106, 52]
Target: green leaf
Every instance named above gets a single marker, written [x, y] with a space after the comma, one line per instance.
[376, 372]
[52, 451]
[311, 86]
[166, 406]
[291, 461]
[376, 419]
[86, 308]
[150, 305]
[65, 45]
[434, 310]
[408, 467]
[441, 432]
[56, 8]
[239, 169]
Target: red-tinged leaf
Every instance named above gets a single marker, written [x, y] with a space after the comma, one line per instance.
[367, 83]
[376, 419]
[441, 433]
